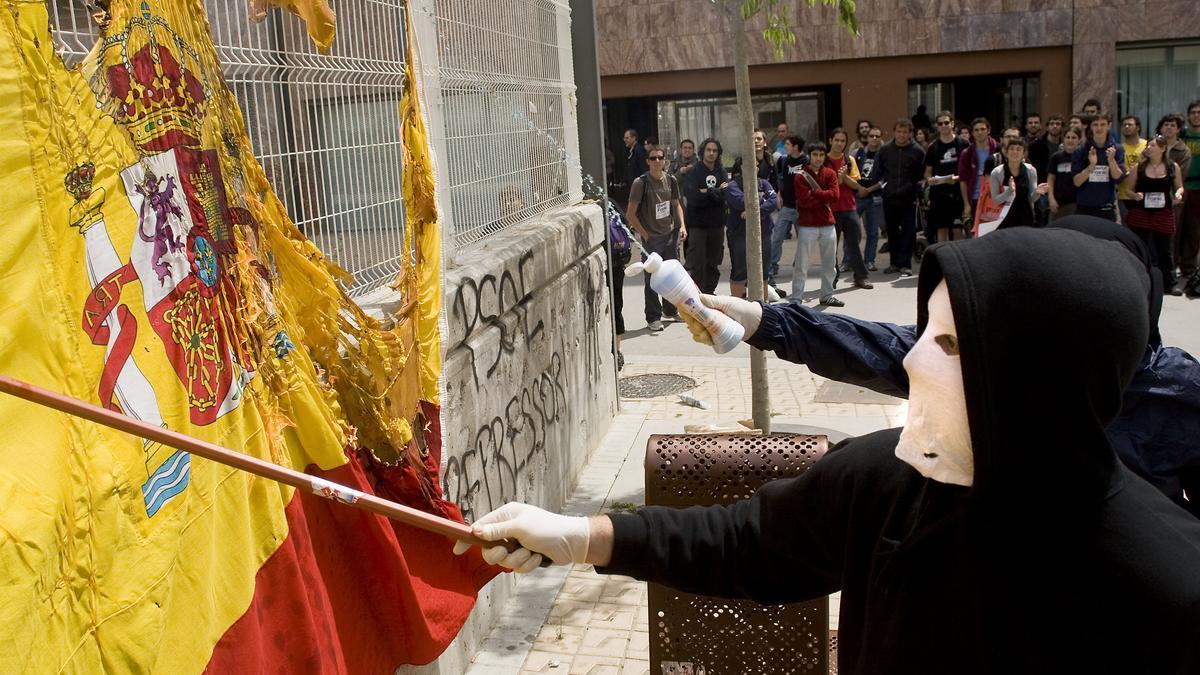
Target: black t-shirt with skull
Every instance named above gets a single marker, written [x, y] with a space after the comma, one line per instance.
[705, 197]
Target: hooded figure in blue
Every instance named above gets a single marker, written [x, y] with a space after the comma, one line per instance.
[735, 225]
[1154, 434]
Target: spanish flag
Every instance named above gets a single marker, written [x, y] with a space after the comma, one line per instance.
[148, 267]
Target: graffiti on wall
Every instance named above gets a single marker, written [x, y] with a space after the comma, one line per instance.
[550, 345]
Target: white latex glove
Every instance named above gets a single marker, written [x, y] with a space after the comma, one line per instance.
[562, 539]
[747, 313]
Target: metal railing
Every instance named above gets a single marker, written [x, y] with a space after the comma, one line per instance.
[507, 120]
[325, 127]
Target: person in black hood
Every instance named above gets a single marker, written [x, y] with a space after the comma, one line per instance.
[1154, 434]
[1034, 550]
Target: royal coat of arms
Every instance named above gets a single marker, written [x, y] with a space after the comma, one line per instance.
[182, 253]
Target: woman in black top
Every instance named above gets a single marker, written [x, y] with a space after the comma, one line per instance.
[1157, 184]
[1061, 178]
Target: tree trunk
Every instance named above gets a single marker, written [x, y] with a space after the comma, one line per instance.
[760, 397]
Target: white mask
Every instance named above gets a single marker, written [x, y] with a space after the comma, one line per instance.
[936, 440]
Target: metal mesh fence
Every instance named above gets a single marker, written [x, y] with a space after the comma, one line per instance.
[324, 126]
[508, 112]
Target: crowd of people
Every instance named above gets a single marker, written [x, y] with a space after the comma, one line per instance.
[932, 180]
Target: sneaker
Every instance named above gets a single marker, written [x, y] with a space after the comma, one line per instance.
[1174, 290]
[655, 326]
[905, 272]
[779, 291]
[831, 301]
[891, 269]
[885, 248]
[671, 318]
[871, 267]
[772, 295]
[842, 269]
[863, 283]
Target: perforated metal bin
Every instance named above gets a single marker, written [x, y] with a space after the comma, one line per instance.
[693, 634]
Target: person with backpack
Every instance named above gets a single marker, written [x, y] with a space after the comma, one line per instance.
[656, 214]
[1015, 182]
[704, 189]
[735, 227]
[1155, 184]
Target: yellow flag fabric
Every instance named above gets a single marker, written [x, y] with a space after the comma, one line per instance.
[316, 14]
[149, 268]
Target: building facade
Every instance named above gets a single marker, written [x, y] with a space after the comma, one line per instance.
[666, 67]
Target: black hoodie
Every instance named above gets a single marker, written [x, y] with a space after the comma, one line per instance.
[1056, 560]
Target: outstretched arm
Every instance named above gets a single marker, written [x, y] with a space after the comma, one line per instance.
[842, 348]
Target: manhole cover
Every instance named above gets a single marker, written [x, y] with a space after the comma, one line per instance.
[653, 384]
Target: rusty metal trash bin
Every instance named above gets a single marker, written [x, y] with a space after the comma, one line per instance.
[693, 634]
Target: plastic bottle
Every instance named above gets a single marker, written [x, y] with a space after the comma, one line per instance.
[669, 279]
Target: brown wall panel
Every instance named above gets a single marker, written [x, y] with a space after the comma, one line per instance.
[875, 89]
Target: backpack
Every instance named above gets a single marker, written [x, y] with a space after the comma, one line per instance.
[620, 241]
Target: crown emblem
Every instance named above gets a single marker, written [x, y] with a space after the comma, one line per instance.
[147, 80]
[85, 212]
[79, 181]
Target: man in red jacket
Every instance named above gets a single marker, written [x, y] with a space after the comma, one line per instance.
[816, 192]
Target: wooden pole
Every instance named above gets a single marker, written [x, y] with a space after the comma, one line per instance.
[237, 460]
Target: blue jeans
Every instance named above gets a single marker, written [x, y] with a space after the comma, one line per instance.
[779, 232]
[870, 210]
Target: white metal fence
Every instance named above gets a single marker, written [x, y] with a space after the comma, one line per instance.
[324, 126]
[506, 125]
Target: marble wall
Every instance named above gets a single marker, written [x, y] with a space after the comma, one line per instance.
[643, 36]
[669, 38]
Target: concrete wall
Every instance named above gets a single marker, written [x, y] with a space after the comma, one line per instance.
[529, 377]
[529, 368]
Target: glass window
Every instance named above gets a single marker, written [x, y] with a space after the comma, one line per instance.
[1004, 100]
[1154, 81]
[698, 119]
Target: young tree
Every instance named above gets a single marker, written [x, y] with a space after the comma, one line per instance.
[778, 33]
